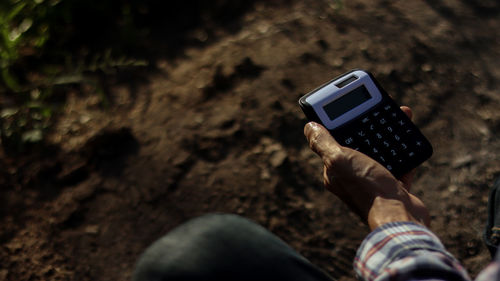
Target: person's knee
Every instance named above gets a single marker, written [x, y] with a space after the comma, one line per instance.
[220, 220]
[221, 224]
[221, 247]
[199, 239]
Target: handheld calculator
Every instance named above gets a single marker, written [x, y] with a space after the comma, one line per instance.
[359, 114]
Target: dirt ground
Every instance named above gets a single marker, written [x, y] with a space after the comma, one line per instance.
[218, 129]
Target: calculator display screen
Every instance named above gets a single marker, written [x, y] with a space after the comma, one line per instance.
[347, 102]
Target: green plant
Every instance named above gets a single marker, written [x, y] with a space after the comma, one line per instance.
[336, 5]
[30, 69]
[24, 124]
[23, 31]
[23, 28]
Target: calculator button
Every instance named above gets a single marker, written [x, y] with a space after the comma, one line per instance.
[385, 135]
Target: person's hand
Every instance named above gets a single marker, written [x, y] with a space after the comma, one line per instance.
[367, 187]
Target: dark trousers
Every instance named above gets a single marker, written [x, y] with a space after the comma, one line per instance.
[223, 247]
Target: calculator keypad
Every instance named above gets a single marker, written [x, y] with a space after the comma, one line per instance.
[387, 135]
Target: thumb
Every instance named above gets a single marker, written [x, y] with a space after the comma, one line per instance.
[320, 139]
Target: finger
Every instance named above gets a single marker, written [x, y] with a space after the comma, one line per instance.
[407, 111]
[320, 139]
[407, 179]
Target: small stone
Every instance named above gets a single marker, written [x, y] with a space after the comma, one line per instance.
[199, 119]
[271, 148]
[265, 174]
[363, 46]
[338, 62]
[462, 161]
[84, 119]
[426, 67]
[92, 229]
[14, 246]
[277, 158]
[263, 28]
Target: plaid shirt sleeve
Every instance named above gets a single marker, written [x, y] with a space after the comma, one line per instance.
[405, 251]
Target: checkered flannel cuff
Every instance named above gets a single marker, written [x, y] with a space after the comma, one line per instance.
[400, 248]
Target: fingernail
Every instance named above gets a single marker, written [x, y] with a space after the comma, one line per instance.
[313, 125]
[310, 126]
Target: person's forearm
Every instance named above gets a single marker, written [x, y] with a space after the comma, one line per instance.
[405, 251]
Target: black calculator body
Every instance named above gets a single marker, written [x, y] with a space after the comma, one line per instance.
[359, 114]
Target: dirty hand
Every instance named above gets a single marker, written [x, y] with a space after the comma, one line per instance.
[367, 187]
